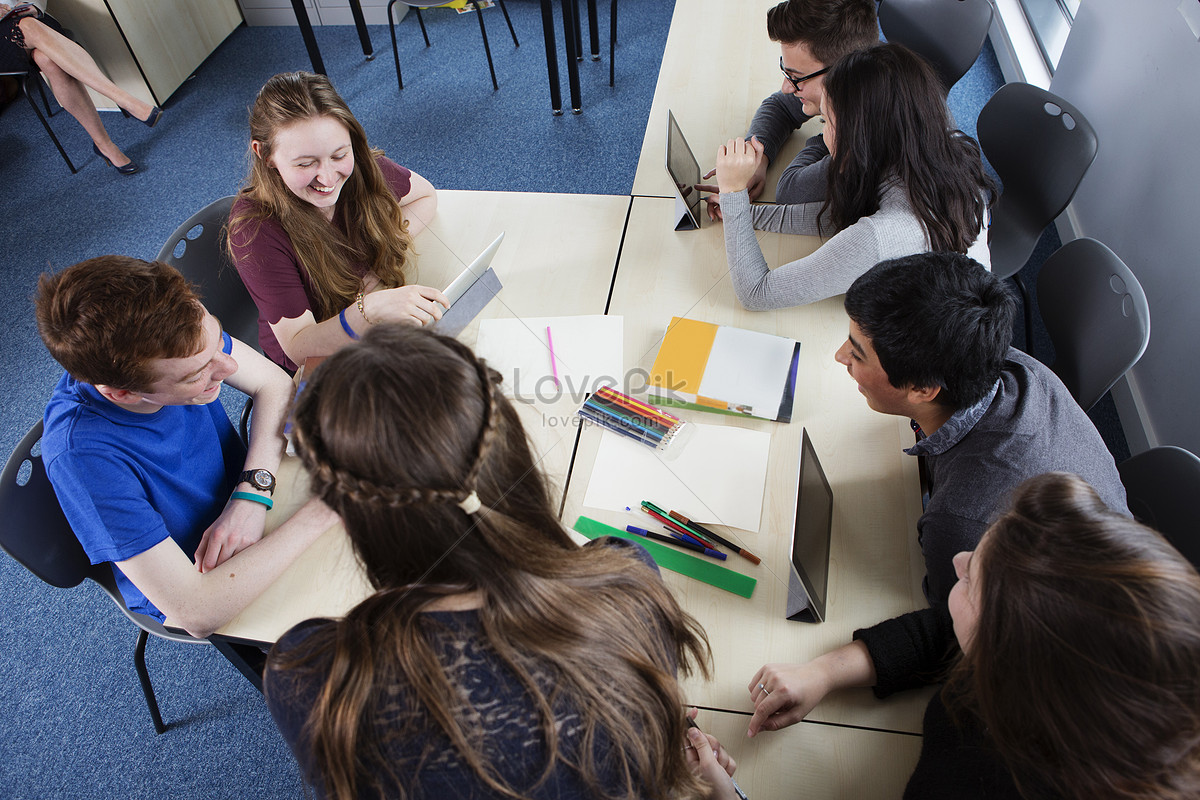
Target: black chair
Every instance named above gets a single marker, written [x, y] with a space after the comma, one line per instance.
[948, 33]
[197, 249]
[35, 532]
[1041, 146]
[1096, 314]
[417, 5]
[33, 75]
[1161, 486]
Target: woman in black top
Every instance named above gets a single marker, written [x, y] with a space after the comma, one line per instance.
[1073, 646]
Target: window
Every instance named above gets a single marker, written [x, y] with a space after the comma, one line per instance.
[1050, 21]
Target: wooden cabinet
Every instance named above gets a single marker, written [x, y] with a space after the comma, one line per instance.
[148, 47]
[320, 12]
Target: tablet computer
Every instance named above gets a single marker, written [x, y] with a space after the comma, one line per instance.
[473, 289]
[812, 530]
[685, 174]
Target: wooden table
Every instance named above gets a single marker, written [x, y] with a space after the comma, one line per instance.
[717, 67]
[813, 761]
[875, 566]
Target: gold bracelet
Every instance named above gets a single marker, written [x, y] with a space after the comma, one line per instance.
[361, 310]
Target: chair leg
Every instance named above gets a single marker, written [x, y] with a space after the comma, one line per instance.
[486, 49]
[612, 45]
[510, 25]
[395, 51]
[421, 22]
[46, 125]
[139, 661]
[42, 91]
[593, 30]
[578, 30]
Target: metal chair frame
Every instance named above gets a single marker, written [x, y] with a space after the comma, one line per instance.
[417, 6]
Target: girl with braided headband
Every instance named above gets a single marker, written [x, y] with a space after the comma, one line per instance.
[496, 658]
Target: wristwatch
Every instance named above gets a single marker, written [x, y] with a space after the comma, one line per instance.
[260, 479]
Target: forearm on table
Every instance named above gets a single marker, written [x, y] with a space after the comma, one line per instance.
[420, 213]
[850, 666]
[321, 338]
[207, 601]
[773, 123]
[806, 179]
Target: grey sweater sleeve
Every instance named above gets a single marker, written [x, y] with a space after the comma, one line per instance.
[827, 272]
[776, 118]
[805, 180]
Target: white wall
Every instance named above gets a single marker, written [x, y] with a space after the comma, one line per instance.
[1133, 68]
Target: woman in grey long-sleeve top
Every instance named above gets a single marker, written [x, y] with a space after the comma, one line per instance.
[901, 181]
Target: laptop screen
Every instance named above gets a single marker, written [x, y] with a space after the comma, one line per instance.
[813, 528]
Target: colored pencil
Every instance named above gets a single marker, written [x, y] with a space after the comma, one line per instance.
[608, 391]
[553, 360]
[741, 551]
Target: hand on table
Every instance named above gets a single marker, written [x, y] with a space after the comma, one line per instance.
[784, 694]
[239, 526]
[738, 162]
[418, 305]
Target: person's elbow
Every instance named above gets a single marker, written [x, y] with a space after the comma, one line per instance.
[755, 299]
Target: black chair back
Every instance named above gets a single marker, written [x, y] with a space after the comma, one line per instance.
[1096, 314]
[947, 33]
[33, 529]
[197, 249]
[1162, 485]
[1041, 146]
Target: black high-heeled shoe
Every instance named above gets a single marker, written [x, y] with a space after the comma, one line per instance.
[150, 121]
[128, 169]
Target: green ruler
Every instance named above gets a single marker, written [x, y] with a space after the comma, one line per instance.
[674, 560]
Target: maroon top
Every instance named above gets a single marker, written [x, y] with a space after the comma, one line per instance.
[272, 272]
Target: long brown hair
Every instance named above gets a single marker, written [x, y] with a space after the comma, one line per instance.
[396, 431]
[376, 231]
[892, 123]
[1085, 665]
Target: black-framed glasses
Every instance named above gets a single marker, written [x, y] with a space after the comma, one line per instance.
[794, 81]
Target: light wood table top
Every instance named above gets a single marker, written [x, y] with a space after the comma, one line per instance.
[558, 257]
[875, 565]
[814, 761]
[717, 67]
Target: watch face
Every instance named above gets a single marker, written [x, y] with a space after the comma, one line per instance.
[262, 478]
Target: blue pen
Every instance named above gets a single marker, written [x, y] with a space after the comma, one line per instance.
[708, 551]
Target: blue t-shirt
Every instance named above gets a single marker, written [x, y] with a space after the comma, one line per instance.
[126, 481]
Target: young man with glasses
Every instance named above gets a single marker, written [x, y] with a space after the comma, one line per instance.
[813, 35]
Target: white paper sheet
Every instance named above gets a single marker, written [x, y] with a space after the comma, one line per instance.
[718, 478]
[750, 368]
[589, 351]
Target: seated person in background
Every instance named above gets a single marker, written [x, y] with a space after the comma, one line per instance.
[496, 658]
[322, 232]
[141, 457]
[29, 34]
[813, 35]
[929, 340]
[1071, 654]
[901, 181]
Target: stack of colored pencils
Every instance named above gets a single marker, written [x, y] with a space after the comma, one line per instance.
[633, 418]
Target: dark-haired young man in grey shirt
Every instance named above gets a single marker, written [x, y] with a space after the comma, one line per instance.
[929, 339]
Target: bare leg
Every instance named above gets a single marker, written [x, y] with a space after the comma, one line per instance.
[71, 94]
[75, 62]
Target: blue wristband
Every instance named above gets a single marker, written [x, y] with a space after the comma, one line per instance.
[257, 498]
[346, 325]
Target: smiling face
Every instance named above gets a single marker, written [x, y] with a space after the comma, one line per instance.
[965, 596]
[314, 159]
[798, 61]
[193, 380]
[860, 360]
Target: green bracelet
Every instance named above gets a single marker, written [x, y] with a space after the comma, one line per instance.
[257, 498]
